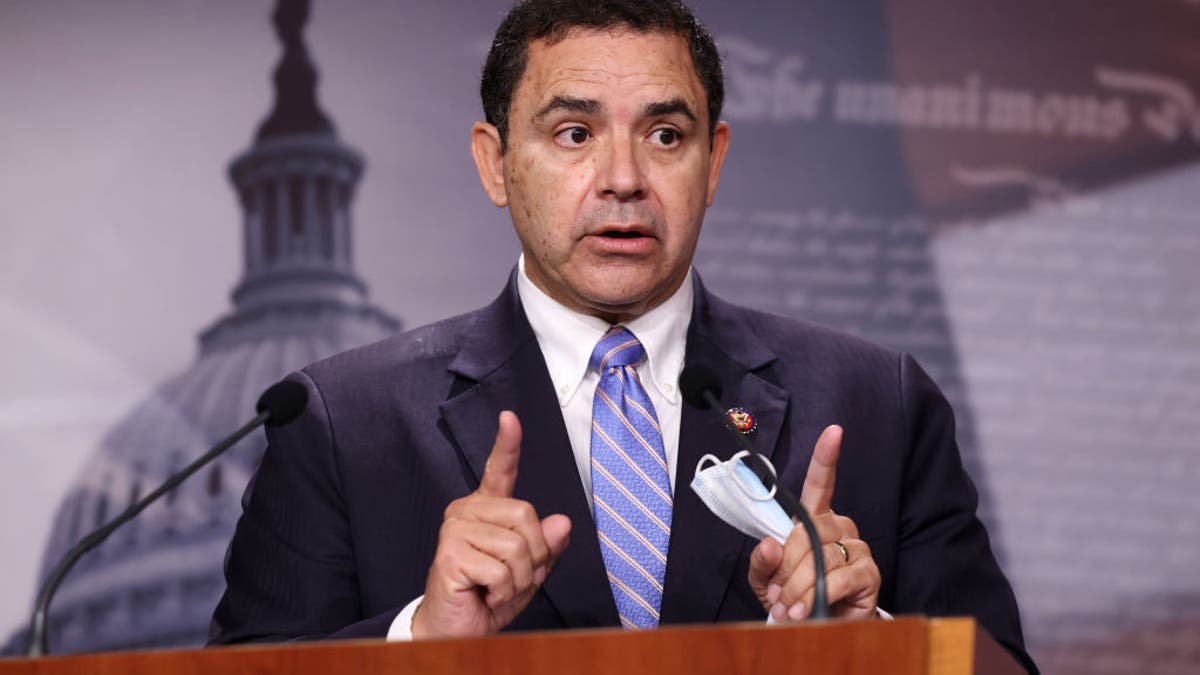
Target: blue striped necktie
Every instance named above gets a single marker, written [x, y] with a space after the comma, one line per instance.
[631, 489]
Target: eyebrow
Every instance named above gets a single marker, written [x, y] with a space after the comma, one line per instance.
[587, 106]
[590, 106]
[672, 107]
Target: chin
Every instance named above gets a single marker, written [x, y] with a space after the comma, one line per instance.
[623, 305]
[624, 290]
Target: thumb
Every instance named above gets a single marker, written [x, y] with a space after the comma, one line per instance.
[556, 529]
[764, 561]
[500, 472]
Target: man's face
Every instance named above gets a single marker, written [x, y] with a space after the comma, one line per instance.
[608, 169]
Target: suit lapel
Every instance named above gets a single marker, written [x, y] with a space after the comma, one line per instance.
[501, 368]
[704, 551]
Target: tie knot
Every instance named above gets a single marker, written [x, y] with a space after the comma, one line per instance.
[617, 348]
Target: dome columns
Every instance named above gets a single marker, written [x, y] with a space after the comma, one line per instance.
[296, 193]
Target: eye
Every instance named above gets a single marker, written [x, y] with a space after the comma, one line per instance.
[573, 136]
[666, 137]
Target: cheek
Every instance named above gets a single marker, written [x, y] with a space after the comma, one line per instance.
[522, 206]
[685, 199]
[556, 197]
[546, 200]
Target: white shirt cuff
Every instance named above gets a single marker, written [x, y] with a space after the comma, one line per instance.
[879, 613]
[401, 629]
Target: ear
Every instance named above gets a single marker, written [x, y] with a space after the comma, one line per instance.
[716, 157]
[489, 160]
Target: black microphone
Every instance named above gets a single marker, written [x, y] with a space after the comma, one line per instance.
[281, 403]
[701, 388]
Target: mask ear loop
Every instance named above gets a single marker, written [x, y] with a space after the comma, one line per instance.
[707, 458]
[741, 486]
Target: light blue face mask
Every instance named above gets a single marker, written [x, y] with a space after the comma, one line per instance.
[735, 495]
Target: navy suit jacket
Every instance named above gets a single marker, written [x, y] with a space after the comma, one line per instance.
[341, 519]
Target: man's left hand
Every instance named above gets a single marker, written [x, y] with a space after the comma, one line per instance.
[783, 577]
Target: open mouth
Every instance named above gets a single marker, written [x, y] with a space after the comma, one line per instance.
[628, 239]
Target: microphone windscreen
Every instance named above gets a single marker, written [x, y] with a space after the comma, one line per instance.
[695, 380]
[283, 401]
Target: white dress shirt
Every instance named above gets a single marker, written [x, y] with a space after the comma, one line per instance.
[566, 338]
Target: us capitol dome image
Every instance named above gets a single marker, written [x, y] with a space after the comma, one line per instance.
[155, 582]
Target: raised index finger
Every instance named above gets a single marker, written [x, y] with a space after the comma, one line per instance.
[500, 472]
[817, 494]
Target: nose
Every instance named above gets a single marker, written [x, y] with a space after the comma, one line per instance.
[621, 174]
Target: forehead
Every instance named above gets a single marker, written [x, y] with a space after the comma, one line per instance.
[611, 64]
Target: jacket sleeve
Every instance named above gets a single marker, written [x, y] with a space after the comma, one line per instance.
[945, 562]
[290, 569]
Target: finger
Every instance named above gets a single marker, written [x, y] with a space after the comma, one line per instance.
[495, 577]
[556, 531]
[798, 587]
[462, 567]
[854, 589]
[847, 528]
[795, 549]
[764, 562]
[513, 514]
[797, 546]
[500, 472]
[800, 590]
[817, 493]
[504, 545]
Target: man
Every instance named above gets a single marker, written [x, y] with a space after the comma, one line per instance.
[526, 466]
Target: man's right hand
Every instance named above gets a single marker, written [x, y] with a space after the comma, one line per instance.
[493, 553]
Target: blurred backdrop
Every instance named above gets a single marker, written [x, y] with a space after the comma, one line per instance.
[1010, 191]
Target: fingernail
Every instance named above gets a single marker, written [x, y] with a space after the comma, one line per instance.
[778, 611]
[539, 575]
[796, 612]
[773, 592]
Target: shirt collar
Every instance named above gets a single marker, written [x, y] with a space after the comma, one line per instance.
[567, 337]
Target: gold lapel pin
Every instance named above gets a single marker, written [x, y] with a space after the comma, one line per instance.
[742, 419]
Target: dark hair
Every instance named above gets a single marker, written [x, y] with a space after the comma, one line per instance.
[552, 20]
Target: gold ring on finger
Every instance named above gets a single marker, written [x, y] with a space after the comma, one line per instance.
[843, 549]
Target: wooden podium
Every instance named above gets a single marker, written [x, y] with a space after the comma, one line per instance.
[906, 646]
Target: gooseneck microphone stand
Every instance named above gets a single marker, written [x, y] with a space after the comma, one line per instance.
[279, 404]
